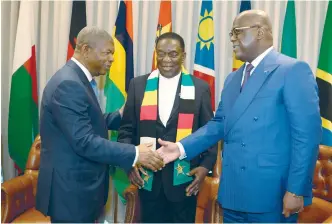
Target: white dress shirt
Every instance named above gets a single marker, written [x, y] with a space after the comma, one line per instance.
[89, 77]
[255, 63]
[166, 96]
[84, 69]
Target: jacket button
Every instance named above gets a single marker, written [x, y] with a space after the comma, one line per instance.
[243, 145]
[226, 142]
[255, 118]
[243, 168]
[223, 117]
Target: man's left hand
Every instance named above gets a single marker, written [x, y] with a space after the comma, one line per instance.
[292, 204]
[200, 173]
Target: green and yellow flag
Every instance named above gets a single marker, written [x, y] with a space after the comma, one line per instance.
[324, 78]
[121, 72]
[288, 42]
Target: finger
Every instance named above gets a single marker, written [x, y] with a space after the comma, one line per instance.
[192, 172]
[142, 170]
[133, 181]
[162, 143]
[149, 144]
[138, 177]
[157, 160]
[193, 186]
[189, 187]
[196, 192]
[286, 213]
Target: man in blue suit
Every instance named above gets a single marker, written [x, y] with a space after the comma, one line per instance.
[269, 120]
[75, 150]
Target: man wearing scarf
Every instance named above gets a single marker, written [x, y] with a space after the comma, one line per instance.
[168, 103]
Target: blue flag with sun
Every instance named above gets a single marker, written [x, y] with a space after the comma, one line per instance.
[204, 56]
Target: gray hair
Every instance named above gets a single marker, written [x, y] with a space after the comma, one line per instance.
[90, 35]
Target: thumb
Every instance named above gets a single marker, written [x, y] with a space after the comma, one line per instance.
[162, 142]
[192, 172]
[148, 144]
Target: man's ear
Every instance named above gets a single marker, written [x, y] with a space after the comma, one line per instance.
[260, 33]
[184, 57]
[85, 50]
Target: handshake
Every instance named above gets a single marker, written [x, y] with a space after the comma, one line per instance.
[156, 160]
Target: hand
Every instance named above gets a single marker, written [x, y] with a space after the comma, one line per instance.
[200, 173]
[168, 150]
[148, 158]
[135, 177]
[292, 204]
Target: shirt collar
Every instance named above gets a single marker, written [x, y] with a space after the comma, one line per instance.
[258, 60]
[175, 78]
[84, 69]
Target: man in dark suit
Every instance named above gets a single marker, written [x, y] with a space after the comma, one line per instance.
[76, 153]
[170, 95]
[269, 119]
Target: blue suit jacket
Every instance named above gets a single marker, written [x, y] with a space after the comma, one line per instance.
[271, 132]
[76, 153]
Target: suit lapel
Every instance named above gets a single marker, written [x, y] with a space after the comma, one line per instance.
[253, 85]
[233, 88]
[83, 78]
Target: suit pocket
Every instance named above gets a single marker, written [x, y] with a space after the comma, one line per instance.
[271, 160]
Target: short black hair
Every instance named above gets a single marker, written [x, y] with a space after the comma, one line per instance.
[173, 36]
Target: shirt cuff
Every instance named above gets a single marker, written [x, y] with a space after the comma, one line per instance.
[136, 156]
[182, 152]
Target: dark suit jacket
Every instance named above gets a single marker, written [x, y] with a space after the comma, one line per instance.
[130, 126]
[76, 152]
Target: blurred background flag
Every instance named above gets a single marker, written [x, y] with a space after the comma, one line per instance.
[204, 55]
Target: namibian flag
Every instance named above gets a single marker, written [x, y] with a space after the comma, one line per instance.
[120, 74]
[245, 5]
[204, 56]
[78, 22]
[23, 107]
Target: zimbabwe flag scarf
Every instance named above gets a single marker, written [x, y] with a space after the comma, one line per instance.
[148, 119]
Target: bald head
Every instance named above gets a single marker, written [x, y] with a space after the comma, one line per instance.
[251, 34]
[255, 17]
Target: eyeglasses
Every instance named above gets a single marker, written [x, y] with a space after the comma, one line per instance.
[237, 30]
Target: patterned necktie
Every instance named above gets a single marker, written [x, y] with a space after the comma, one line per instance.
[94, 87]
[249, 67]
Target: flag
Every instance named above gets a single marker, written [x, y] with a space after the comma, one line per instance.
[245, 5]
[120, 74]
[288, 42]
[23, 105]
[164, 24]
[324, 79]
[78, 22]
[204, 55]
